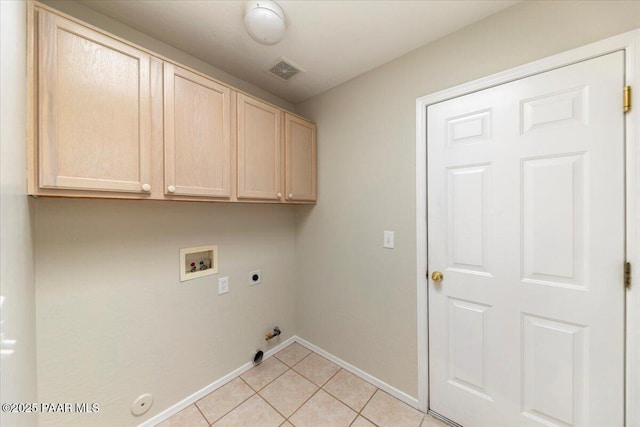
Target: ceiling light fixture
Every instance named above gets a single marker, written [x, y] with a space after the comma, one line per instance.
[264, 21]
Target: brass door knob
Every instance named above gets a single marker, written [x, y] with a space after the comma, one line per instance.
[437, 276]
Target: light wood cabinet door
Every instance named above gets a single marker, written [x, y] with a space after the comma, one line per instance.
[197, 124]
[94, 110]
[300, 159]
[259, 149]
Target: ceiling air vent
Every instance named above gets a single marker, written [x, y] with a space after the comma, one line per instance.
[284, 69]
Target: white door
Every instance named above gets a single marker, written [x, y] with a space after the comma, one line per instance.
[526, 223]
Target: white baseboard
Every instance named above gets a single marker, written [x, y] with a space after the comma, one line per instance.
[158, 418]
[400, 395]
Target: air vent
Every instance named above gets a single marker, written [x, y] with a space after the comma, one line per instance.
[284, 69]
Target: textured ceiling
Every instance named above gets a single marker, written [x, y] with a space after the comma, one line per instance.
[333, 41]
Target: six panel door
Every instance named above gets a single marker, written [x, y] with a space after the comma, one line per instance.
[300, 159]
[197, 135]
[94, 110]
[526, 221]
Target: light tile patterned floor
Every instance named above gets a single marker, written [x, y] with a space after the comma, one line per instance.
[299, 388]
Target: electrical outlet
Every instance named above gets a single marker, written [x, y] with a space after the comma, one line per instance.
[223, 285]
[388, 239]
[255, 277]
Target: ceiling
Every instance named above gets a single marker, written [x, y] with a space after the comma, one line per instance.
[333, 41]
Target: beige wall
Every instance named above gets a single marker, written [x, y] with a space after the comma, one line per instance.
[141, 39]
[354, 298]
[114, 321]
[18, 377]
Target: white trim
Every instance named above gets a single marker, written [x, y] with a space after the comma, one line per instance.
[630, 43]
[400, 395]
[157, 419]
[633, 238]
[421, 253]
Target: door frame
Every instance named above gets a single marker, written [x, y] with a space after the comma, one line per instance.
[628, 42]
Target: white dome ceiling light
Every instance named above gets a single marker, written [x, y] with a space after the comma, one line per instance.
[264, 21]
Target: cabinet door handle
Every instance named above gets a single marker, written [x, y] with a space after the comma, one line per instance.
[171, 189]
[290, 196]
[279, 195]
[146, 187]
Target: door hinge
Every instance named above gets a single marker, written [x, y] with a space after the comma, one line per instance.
[627, 99]
[627, 275]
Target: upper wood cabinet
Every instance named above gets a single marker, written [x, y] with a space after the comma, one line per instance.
[93, 110]
[197, 138]
[300, 159]
[259, 149]
[109, 119]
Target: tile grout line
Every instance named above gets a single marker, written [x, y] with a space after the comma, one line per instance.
[330, 378]
[289, 368]
[369, 401]
[309, 373]
[300, 361]
[272, 407]
[304, 403]
[275, 378]
[365, 405]
[358, 413]
[254, 393]
[303, 376]
[235, 407]
[201, 413]
[257, 393]
[309, 379]
[316, 392]
[195, 402]
[336, 397]
[229, 411]
[324, 383]
[247, 384]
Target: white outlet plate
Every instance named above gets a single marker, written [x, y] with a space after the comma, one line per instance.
[388, 239]
[252, 280]
[223, 285]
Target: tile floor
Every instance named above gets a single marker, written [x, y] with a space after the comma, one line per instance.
[299, 388]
